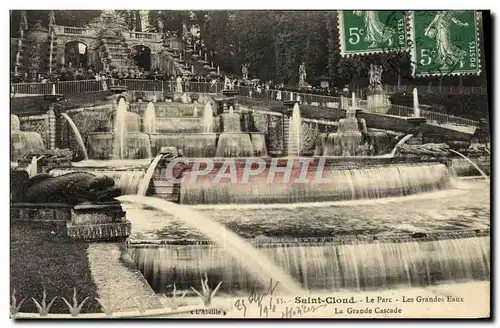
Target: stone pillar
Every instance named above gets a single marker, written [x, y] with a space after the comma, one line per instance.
[483, 133]
[154, 60]
[287, 116]
[377, 102]
[60, 138]
[236, 104]
[92, 57]
[344, 101]
[418, 137]
[52, 128]
[286, 129]
[231, 99]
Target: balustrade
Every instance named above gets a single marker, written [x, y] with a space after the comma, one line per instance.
[69, 87]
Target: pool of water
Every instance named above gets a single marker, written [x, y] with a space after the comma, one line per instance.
[465, 207]
[326, 265]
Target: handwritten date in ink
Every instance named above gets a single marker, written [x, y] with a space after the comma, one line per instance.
[261, 300]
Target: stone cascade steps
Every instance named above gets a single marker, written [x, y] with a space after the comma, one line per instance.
[165, 189]
[118, 55]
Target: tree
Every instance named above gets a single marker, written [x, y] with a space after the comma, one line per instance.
[173, 19]
[333, 54]
[153, 17]
[138, 21]
[252, 42]
[78, 18]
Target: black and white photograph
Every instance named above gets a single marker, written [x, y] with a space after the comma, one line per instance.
[243, 164]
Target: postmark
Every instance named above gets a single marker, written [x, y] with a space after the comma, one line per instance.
[444, 42]
[364, 32]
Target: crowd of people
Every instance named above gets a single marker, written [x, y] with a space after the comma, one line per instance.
[258, 87]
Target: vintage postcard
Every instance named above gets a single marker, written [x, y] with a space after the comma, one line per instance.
[249, 164]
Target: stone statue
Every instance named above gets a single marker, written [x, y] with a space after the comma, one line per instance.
[375, 78]
[244, 71]
[52, 18]
[161, 26]
[378, 78]
[185, 32]
[195, 31]
[178, 87]
[24, 21]
[371, 75]
[227, 83]
[302, 74]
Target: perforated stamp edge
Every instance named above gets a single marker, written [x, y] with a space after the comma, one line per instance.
[413, 51]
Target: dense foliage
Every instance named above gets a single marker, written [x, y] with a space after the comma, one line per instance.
[273, 43]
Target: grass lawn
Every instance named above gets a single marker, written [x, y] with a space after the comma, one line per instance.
[39, 259]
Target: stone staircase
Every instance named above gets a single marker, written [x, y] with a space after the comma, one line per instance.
[191, 57]
[117, 52]
[199, 63]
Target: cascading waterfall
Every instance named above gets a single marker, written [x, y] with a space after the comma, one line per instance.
[252, 260]
[139, 145]
[337, 184]
[208, 118]
[127, 181]
[349, 133]
[462, 167]
[30, 140]
[324, 267]
[472, 163]
[120, 130]
[25, 141]
[294, 132]
[15, 123]
[77, 134]
[143, 186]
[149, 123]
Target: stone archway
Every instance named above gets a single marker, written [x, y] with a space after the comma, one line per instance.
[76, 54]
[141, 55]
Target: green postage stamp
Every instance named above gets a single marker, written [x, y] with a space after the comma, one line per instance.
[445, 42]
[363, 32]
